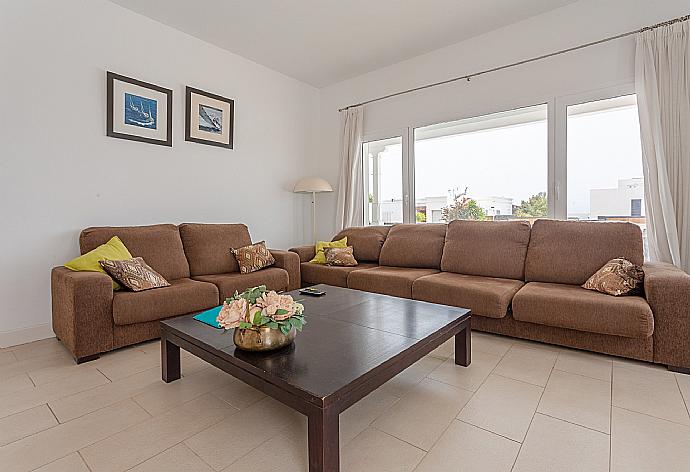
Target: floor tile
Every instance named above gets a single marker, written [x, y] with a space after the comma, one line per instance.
[7, 357]
[555, 445]
[359, 416]
[408, 378]
[649, 391]
[25, 399]
[525, 363]
[237, 393]
[26, 423]
[468, 378]
[578, 399]
[684, 385]
[421, 416]
[44, 347]
[288, 453]
[373, 450]
[122, 363]
[491, 343]
[144, 440]
[584, 363]
[70, 463]
[15, 384]
[74, 406]
[503, 406]
[20, 367]
[646, 444]
[160, 396]
[224, 443]
[466, 448]
[445, 350]
[59, 441]
[176, 459]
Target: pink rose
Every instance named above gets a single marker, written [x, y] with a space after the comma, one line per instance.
[232, 314]
[271, 302]
[285, 303]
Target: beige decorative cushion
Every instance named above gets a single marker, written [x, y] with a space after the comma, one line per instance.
[340, 256]
[617, 277]
[134, 274]
[253, 257]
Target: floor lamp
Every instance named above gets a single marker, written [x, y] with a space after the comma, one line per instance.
[313, 185]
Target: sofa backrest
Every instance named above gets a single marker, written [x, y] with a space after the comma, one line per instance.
[486, 248]
[159, 245]
[207, 246]
[366, 241]
[414, 245]
[569, 252]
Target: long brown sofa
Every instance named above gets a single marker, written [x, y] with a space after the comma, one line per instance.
[90, 318]
[524, 281]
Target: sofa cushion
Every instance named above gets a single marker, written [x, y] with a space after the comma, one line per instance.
[396, 281]
[414, 245]
[486, 248]
[181, 297]
[273, 278]
[569, 252]
[159, 245]
[208, 246]
[330, 275]
[573, 307]
[485, 296]
[366, 241]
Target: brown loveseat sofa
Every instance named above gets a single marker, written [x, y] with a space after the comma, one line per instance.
[524, 281]
[90, 318]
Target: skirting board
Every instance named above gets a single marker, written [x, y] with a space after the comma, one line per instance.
[26, 335]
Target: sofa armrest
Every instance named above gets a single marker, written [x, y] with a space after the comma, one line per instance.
[82, 311]
[667, 289]
[290, 262]
[306, 253]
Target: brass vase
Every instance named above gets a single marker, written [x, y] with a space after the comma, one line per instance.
[262, 338]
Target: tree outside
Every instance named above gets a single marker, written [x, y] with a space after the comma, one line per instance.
[420, 217]
[462, 208]
[534, 207]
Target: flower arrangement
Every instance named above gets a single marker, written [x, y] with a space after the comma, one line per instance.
[257, 307]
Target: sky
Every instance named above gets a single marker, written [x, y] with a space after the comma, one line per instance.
[512, 161]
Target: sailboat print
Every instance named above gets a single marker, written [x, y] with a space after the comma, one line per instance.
[142, 114]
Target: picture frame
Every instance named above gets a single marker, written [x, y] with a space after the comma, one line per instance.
[138, 111]
[209, 118]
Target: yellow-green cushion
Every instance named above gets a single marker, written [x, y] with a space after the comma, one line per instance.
[113, 250]
[320, 257]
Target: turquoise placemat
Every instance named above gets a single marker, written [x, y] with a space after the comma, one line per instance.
[209, 317]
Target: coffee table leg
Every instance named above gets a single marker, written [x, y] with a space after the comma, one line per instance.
[463, 347]
[324, 444]
[170, 360]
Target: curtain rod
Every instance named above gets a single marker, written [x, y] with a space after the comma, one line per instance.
[519, 63]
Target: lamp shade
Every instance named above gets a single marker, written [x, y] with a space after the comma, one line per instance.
[312, 184]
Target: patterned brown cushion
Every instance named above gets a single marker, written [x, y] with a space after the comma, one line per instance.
[134, 274]
[253, 257]
[617, 277]
[340, 256]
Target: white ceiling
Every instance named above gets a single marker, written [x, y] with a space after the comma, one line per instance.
[322, 42]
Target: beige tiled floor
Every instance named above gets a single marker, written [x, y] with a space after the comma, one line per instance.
[520, 406]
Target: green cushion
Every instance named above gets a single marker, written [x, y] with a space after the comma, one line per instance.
[113, 250]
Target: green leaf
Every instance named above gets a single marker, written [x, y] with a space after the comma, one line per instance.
[297, 323]
[285, 329]
[281, 311]
[273, 325]
[264, 319]
[257, 318]
[245, 325]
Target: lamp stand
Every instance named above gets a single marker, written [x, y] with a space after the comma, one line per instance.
[313, 216]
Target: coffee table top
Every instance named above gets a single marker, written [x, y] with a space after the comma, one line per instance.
[349, 336]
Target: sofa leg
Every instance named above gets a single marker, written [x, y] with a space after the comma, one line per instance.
[81, 360]
[680, 370]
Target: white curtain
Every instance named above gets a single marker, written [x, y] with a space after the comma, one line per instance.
[662, 82]
[350, 210]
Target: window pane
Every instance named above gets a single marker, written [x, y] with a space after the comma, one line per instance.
[383, 185]
[491, 167]
[605, 180]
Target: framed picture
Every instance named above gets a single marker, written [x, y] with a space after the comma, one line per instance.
[209, 118]
[138, 111]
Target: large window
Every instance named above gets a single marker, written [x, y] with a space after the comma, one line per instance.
[604, 161]
[490, 167]
[383, 193]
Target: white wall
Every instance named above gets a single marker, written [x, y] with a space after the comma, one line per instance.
[597, 67]
[59, 173]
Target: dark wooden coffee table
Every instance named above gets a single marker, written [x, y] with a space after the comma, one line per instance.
[353, 343]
